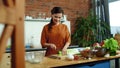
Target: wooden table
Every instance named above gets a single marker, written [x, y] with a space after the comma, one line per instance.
[49, 62]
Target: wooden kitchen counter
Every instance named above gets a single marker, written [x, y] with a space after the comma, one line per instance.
[49, 62]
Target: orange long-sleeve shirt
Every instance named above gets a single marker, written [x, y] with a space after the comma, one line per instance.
[59, 35]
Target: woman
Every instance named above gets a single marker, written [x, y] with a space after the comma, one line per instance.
[55, 36]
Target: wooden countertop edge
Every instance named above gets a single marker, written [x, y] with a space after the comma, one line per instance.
[73, 62]
[50, 63]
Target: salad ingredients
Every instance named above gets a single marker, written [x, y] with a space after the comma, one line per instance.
[111, 45]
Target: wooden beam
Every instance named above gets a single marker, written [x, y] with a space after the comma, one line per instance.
[3, 14]
[7, 32]
[18, 47]
[7, 13]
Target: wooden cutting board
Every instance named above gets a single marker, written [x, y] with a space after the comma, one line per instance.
[62, 57]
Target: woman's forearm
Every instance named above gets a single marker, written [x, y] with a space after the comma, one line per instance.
[47, 44]
[66, 45]
[64, 50]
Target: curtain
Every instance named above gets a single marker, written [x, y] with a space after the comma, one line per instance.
[101, 11]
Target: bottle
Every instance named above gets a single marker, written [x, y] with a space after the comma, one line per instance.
[32, 42]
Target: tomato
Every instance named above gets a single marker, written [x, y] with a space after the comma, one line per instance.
[76, 57]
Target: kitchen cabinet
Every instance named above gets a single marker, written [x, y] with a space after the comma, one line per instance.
[103, 64]
[100, 64]
[96, 62]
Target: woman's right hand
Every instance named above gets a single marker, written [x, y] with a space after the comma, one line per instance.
[52, 46]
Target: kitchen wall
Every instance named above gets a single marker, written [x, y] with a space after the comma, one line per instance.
[72, 8]
[33, 28]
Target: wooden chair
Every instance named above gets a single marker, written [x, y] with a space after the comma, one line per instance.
[12, 16]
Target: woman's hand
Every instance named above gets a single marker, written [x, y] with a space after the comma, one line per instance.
[64, 51]
[52, 46]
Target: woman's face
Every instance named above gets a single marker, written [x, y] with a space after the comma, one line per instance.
[57, 17]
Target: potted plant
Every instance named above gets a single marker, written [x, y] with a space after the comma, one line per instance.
[88, 31]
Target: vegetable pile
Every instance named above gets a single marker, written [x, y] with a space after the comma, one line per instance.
[111, 45]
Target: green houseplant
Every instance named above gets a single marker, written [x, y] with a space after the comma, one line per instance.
[88, 30]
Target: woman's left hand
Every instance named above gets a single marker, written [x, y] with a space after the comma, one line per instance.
[64, 51]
